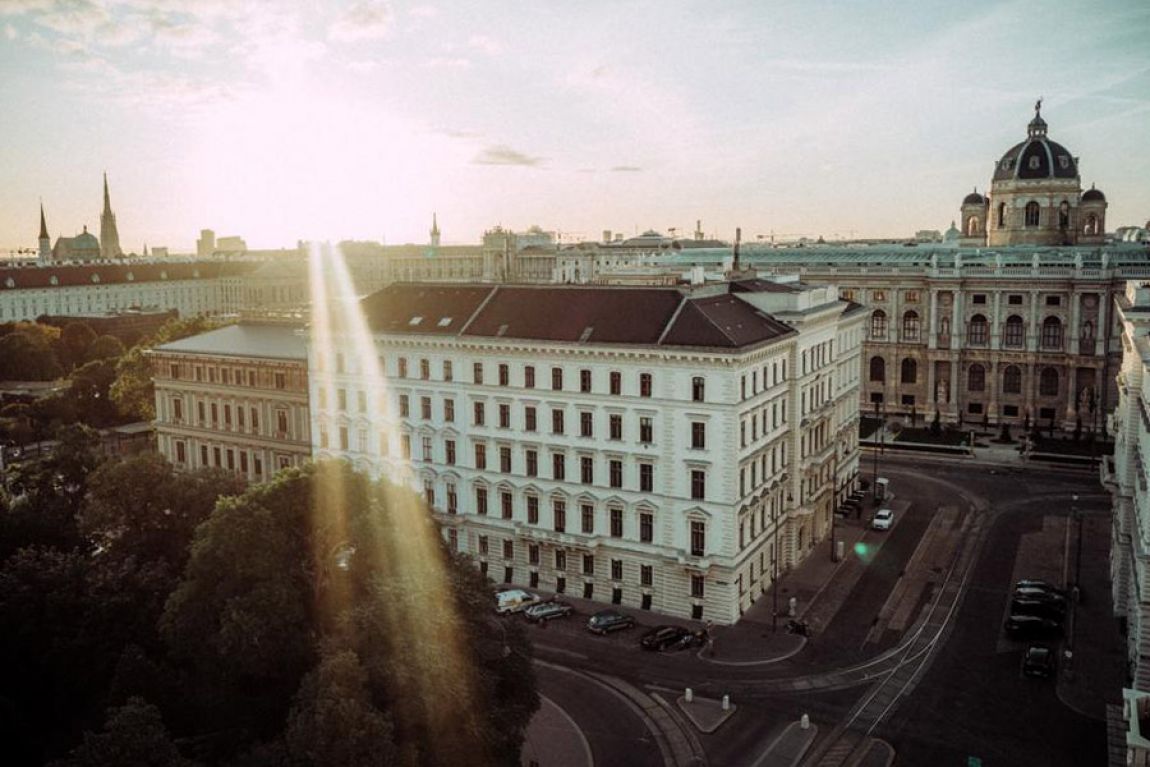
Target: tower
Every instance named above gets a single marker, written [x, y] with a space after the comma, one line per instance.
[109, 237]
[45, 242]
[434, 231]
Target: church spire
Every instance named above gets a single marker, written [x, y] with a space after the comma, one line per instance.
[45, 250]
[107, 199]
[434, 231]
[109, 234]
[43, 223]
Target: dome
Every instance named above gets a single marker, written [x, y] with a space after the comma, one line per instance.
[1036, 158]
[85, 240]
[974, 198]
[1093, 195]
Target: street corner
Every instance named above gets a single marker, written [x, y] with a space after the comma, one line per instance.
[751, 645]
[706, 714]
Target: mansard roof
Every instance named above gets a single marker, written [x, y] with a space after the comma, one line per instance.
[598, 315]
[112, 273]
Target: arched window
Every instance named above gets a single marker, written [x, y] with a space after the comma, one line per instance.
[1013, 335]
[878, 324]
[1091, 226]
[1048, 382]
[976, 378]
[977, 335]
[1012, 380]
[1002, 215]
[1064, 215]
[909, 371]
[1052, 333]
[972, 226]
[877, 369]
[910, 326]
[1032, 213]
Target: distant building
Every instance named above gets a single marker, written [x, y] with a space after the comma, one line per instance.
[109, 234]
[82, 247]
[206, 245]
[234, 398]
[669, 449]
[231, 245]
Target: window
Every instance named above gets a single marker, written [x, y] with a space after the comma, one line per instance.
[1032, 213]
[646, 477]
[405, 446]
[586, 424]
[615, 422]
[449, 445]
[616, 382]
[404, 406]
[646, 527]
[341, 398]
[533, 553]
[1048, 382]
[505, 459]
[481, 501]
[698, 485]
[1054, 300]
[616, 473]
[1001, 215]
[533, 509]
[878, 324]
[977, 334]
[557, 421]
[504, 416]
[698, 389]
[449, 410]
[479, 414]
[425, 408]
[616, 523]
[698, 435]
[1012, 336]
[1010, 410]
[559, 509]
[477, 372]
[182, 452]
[424, 369]
[558, 466]
[646, 430]
[877, 369]
[529, 377]
[1014, 299]
[178, 409]
[532, 463]
[976, 378]
[616, 570]
[587, 512]
[480, 456]
[909, 372]
[560, 560]
[529, 423]
[1051, 333]
[504, 375]
[483, 544]
[361, 401]
[426, 445]
[280, 381]
[878, 295]
[645, 578]
[697, 586]
[644, 384]
[585, 381]
[912, 296]
[448, 371]
[507, 506]
[557, 379]
[401, 367]
[978, 298]
[910, 326]
[452, 499]
[587, 470]
[429, 492]
[1012, 380]
[588, 564]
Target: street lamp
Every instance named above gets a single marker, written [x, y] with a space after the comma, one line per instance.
[775, 577]
[1077, 514]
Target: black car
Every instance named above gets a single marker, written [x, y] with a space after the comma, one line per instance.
[546, 611]
[1045, 608]
[1023, 626]
[1033, 592]
[667, 638]
[606, 621]
[1038, 660]
[1034, 583]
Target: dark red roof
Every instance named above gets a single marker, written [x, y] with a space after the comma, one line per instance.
[566, 314]
[71, 275]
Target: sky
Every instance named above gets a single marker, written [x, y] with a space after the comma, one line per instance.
[279, 120]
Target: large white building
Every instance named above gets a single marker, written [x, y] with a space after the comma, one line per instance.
[664, 448]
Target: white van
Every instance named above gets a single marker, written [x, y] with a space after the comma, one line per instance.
[513, 601]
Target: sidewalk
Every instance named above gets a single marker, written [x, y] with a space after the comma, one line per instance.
[554, 740]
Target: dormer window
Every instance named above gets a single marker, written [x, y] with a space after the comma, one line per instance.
[95, 278]
[415, 321]
[53, 280]
[131, 277]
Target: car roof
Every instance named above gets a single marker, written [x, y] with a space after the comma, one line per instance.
[883, 513]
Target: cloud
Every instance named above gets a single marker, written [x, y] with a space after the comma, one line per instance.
[505, 155]
[364, 20]
[626, 169]
[424, 12]
[449, 62]
[485, 44]
[458, 133]
[9, 31]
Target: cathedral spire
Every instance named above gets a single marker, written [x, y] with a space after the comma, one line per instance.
[434, 231]
[107, 199]
[43, 223]
[109, 234]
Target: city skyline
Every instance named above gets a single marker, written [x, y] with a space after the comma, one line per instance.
[358, 120]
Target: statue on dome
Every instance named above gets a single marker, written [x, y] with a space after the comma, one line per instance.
[1038, 106]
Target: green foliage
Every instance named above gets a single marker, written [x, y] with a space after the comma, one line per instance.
[26, 356]
[89, 393]
[72, 346]
[105, 348]
[134, 735]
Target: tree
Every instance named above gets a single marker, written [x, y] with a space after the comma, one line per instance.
[105, 348]
[91, 384]
[133, 735]
[26, 356]
[72, 346]
[133, 391]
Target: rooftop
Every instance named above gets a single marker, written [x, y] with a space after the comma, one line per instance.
[271, 341]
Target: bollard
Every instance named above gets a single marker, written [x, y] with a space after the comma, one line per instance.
[726, 702]
[805, 722]
[689, 695]
[792, 607]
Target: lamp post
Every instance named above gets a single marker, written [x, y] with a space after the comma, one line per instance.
[874, 483]
[775, 576]
[1077, 514]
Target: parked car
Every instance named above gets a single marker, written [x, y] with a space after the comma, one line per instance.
[1031, 583]
[1031, 592]
[667, 638]
[1038, 660]
[883, 519]
[1044, 608]
[1023, 626]
[511, 601]
[548, 611]
[606, 621]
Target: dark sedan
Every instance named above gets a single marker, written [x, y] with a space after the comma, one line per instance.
[606, 621]
[548, 611]
[1045, 608]
[668, 638]
[1038, 660]
[1023, 626]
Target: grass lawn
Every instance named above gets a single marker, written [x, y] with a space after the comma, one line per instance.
[924, 436]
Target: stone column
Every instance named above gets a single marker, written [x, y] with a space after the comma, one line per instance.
[932, 328]
[1103, 323]
[931, 394]
[957, 328]
[996, 322]
[1032, 329]
[992, 385]
[1073, 333]
[957, 399]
